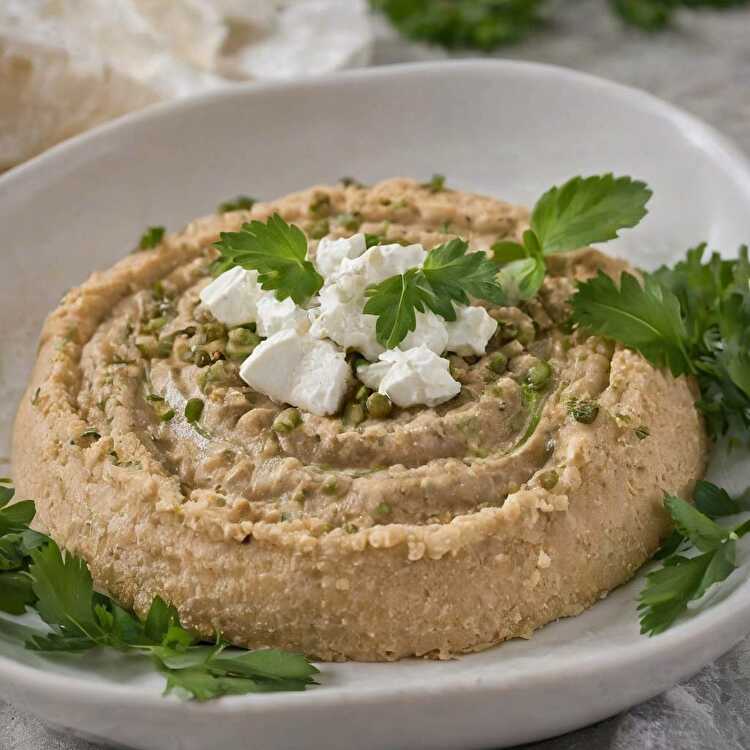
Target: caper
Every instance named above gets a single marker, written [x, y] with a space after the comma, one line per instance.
[362, 393]
[241, 343]
[287, 420]
[156, 324]
[350, 222]
[506, 331]
[549, 479]
[379, 405]
[147, 346]
[201, 358]
[219, 373]
[318, 229]
[330, 486]
[583, 410]
[498, 363]
[354, 414]
[539, 375]
[164, 347]
[526, 334]
[213, 331]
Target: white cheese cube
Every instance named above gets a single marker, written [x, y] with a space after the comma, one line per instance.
[299, 370]
[382, 261]
[430, 331]
[412, 377]
[471, 331]
[331, 253]
[273, 316]
[232, 297]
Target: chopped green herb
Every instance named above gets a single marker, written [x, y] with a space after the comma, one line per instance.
[167, 415]
[194, 409]
[383, 509]
[240, 203]
[583, 410]
[642, 432]
[151, 238]
[436, 183]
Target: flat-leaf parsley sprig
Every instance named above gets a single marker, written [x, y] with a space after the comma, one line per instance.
[278, 251]
[582, 211]
[449, 274]
[568, 217]
[693, 317]
[684, 576]
[35, 574]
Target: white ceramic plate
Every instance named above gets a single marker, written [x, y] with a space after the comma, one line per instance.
[507, 129]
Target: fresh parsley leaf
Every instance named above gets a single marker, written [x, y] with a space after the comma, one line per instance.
[695, 526]
[151, 238]
[714, 501]
[670, 589]
[16, 592]
[650, 15]
[655, 15]
[714, 296]
[481, 24]
[65, 594]
[395, 302]
[645, 318]
[506, 251]
[60, 588]
[587, 210]
[683, 579]
[453, 273]
[449, 275]
[278, 251]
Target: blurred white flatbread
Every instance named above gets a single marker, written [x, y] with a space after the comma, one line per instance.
[67, 65]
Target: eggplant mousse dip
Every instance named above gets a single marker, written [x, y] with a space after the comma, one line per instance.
[326, 423]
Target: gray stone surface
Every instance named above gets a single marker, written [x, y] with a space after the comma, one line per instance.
[702, 65]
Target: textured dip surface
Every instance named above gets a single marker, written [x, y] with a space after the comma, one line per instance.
[430, 532]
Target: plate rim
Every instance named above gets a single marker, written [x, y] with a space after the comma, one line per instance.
[728, 614]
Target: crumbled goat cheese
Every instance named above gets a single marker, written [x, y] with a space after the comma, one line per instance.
[232, 297]
[274, 316]
[342, 299]
[469, 333]
[411, 377]
[300, 370]
[331, 253]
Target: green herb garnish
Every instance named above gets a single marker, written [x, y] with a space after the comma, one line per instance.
[693, 318]
[278, 251]
[194, 409]
[484, 24]
[582, 211]
[240, 203]
[151, 238]
[35, 574]
[449, 275]
[684, 579]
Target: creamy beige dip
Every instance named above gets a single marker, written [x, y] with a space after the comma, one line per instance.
[428, 532]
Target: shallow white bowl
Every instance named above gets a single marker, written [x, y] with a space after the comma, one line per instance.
[507, 129]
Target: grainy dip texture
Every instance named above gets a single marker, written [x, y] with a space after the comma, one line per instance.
[428, 532]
